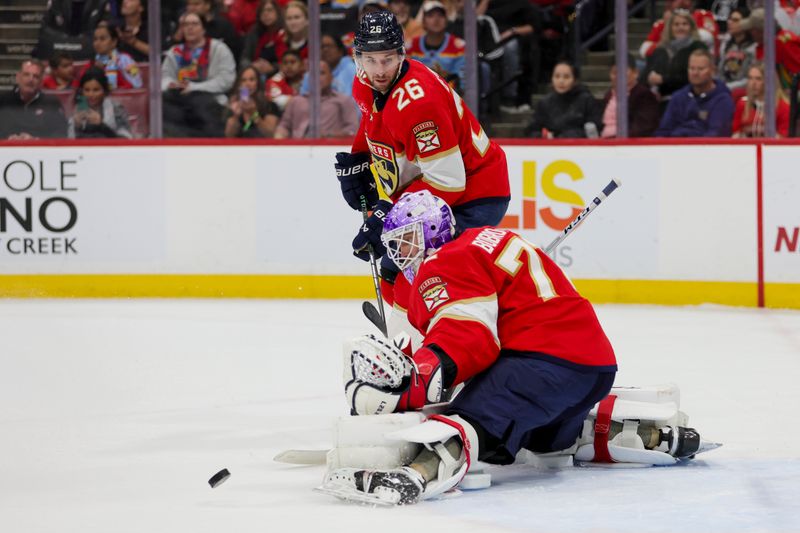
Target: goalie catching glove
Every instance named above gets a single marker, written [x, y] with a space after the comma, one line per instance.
[379, 378]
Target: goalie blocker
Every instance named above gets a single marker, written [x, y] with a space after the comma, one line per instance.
[381, 459]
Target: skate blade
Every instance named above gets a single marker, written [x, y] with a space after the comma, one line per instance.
[708, 446]
[351, 495]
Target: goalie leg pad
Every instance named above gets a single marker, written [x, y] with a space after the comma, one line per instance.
[399, 484]
[653, 414]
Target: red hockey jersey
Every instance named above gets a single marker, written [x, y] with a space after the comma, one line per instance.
[490, 289]
[421, 136]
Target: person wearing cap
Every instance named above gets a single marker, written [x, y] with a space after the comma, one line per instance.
[787, 46]
[437, 49]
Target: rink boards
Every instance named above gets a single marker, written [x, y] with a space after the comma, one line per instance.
[693, 223]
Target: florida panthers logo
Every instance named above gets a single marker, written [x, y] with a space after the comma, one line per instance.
[427, 137]
[385, 164]
[434, 292]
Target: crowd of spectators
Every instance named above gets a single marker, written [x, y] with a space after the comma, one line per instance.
[238, 68]
[694, 81]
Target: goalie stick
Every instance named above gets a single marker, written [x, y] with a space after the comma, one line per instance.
[376, 316]
[605, 193]
[379, 320]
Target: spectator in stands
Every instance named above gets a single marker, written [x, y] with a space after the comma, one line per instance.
[62, 73]
[96, 114]
[286, 83]
[438, 50]
[643, 110]
[338, 116]
[243, 14]
[737, 51]
[265, 43]
[704, 108]
[250, 113]
[132, 32]
[787, 46]
[569, 111]
[402, 11]
[666, 69]
[295, 19]
[120, 68]
[516, 20]
[343, 69]
[707, 29]
[68, 24]
[26, 113]
[195, 78]
[217, 27]
[748, 119]
[787, 15]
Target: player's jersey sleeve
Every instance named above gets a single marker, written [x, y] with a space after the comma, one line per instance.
[423, 120]
[363, 97]
[455, 306]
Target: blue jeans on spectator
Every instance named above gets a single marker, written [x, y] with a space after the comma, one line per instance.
[510, 68]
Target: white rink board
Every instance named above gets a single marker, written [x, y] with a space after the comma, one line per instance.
[781, 214]
[683, 213]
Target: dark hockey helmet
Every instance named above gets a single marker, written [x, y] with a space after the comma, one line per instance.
[379, 32]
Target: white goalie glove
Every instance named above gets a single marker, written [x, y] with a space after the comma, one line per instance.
[379, 378]
[374, 371]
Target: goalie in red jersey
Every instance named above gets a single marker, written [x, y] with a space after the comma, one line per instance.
[417, 134]
[495, 312]
[498, 315]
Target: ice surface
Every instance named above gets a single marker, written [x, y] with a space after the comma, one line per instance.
[114, 414]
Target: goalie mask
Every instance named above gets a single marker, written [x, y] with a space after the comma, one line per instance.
[418, 224]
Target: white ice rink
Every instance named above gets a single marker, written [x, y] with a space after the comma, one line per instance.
[113, 414]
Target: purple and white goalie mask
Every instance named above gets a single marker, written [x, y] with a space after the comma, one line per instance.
[418, 224]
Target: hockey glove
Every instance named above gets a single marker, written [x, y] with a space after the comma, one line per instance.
[370, 233]
[355, 178]
[379, 378]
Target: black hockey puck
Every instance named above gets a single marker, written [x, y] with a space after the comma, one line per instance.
[219, 478]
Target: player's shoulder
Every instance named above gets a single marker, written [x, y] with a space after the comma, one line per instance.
[487, 240]
[420, 89]
[483, 242]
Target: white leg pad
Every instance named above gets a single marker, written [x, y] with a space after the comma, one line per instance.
[361, 441]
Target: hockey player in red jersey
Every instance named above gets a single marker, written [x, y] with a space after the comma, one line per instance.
[497, 311]
[417, 134]
[497, 314]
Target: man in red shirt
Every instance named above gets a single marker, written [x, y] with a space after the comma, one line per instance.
[417, 134]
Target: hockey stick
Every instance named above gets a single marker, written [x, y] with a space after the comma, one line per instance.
[611, 187]
[369, 310]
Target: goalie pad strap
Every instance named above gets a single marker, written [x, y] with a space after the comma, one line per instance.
[464, 440]
[602, 426]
